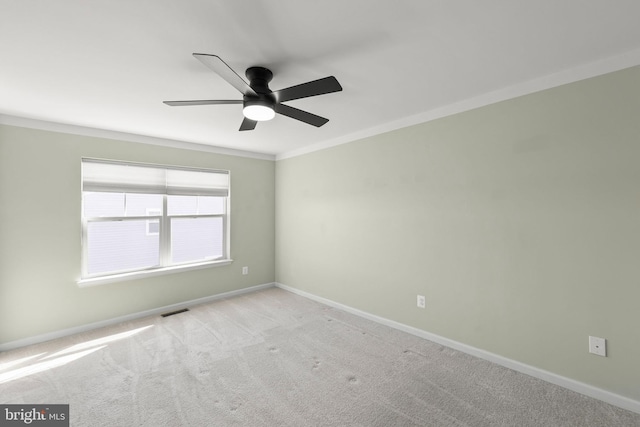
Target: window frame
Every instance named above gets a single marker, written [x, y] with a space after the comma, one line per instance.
[150, 218]
[164, 265]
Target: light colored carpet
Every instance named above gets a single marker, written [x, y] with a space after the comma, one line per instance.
[273, 358]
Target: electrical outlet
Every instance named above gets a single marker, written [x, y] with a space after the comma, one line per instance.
[245, 270]
[421, 301]
[598, 346]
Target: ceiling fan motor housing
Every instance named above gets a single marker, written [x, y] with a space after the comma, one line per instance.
[259, 78]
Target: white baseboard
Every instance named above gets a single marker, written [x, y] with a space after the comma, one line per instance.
[568, 383]
[155, 311]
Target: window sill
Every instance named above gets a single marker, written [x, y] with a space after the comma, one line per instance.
[103, 280]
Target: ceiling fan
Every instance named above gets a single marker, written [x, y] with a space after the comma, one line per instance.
[259, 102]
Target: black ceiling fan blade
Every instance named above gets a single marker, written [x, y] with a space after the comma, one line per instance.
[203, 102]
[223, 70]
[304, 90]
[301, 115]
[248, 124]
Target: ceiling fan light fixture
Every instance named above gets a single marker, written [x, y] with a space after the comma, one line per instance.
[259, 102]
[260, 112]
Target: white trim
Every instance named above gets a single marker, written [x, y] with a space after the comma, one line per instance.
[142, 274]
[568, 383]
[585, 71]
[152, 312]
[125, 136]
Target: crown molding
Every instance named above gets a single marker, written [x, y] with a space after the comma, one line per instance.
[124, 136]
[585, 71]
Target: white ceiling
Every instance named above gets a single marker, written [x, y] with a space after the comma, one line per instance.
[109, 64]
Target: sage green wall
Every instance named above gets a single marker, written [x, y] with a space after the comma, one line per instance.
[519, 222]
[40, 233]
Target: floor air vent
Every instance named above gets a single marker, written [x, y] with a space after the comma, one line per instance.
[174, 312]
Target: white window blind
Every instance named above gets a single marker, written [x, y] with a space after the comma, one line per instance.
[108, 176]
[141, 217]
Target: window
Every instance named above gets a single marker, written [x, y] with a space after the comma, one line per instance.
[148, 218]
